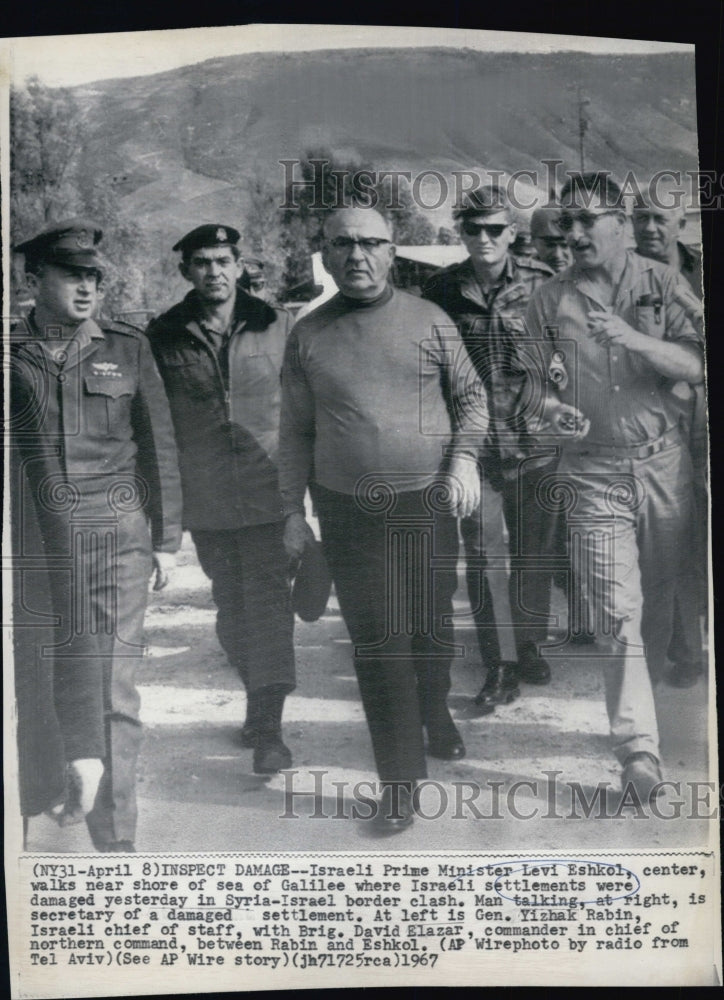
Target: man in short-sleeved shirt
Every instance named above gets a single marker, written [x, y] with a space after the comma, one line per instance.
[613, 335]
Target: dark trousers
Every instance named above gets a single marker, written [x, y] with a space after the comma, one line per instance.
[255, 625]
[536, 535]
[99, 564]
[393, 557]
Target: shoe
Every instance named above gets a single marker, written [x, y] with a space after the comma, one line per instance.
[641, 770]
[395, 810]
[443, 739]
[500, 688]
[451, 749]
[118, 847]
[684, 675]
[533, 669]
[271, 755]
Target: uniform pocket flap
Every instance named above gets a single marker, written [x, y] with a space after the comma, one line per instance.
[105, 385]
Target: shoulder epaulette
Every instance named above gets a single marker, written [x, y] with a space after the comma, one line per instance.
[119, 326]
[533, 264]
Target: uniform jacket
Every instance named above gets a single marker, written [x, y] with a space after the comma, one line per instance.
[627, 402]
[97, 425]
[492, 326]
[227, 427]
[492, 330]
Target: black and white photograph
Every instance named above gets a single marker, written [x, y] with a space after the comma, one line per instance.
[357, 502]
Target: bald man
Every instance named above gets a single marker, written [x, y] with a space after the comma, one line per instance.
[382, 417]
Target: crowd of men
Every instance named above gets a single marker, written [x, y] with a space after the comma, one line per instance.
[562, 393]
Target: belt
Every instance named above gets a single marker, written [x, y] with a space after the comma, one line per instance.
[667, 440]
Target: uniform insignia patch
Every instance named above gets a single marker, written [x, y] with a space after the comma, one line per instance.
[84, 239]
[221, 235]
[106, 368]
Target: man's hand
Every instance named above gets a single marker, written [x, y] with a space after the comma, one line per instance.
[608, 329]
[163, 563]
[82, 779]
[562, 420]
[297, 535]
[463, 481]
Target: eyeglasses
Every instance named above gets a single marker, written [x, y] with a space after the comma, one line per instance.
[587, 219]
[367, 244]
[494, 232]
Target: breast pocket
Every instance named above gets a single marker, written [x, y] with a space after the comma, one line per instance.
[650, 318]
[108, 405]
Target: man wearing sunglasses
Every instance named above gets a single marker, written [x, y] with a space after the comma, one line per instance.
[381, 419]
[487, 295]
[621, 335]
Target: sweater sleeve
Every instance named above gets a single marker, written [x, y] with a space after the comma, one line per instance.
[297, 430]
[462, 388]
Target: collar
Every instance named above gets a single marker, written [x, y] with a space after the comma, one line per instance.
[254, 313]
[381, 300]
[83, 334]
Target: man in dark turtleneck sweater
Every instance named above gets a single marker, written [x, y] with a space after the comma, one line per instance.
[383, 417]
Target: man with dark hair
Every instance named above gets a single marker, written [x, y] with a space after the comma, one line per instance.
[487, 295]
[382, 420]
[220, 353]
[548, 240]
[613, 335]
[95, 451]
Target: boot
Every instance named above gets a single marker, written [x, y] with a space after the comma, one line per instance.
[270, 753]
[500, 688]
[249, 735]
[532, 668]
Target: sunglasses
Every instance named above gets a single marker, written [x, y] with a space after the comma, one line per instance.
[587, 219]
[367, 244]
[476, 228]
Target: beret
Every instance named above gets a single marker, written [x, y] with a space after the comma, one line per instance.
[207, 236]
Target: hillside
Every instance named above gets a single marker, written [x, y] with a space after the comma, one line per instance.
[176, 145]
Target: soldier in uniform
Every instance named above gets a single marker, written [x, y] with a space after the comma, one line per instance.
[487, 295]
[622, 332]
[548, 240]
[95, 453]
[220, 354]
[658, 222]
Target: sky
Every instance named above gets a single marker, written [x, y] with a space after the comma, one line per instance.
[70, 60]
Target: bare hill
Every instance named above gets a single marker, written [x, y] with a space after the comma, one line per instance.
[177, 145]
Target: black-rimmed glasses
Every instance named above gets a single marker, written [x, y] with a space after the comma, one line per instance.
[367, 244]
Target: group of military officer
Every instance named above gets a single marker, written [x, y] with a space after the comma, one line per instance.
[563, 392]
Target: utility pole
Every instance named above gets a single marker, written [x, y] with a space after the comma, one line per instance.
[583, 102]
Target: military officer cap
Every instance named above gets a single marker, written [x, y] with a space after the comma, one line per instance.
[488, 200]
[207, 236]
[72, 242]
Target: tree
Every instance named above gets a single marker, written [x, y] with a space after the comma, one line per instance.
[45, 133]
